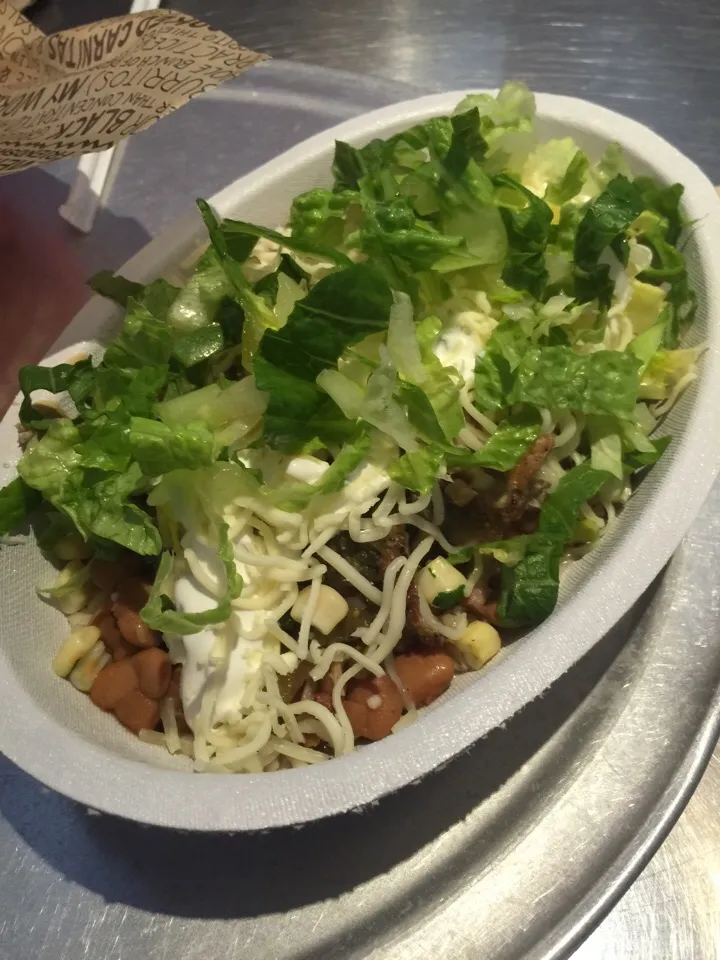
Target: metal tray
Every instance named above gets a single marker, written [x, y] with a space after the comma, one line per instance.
[514, 850]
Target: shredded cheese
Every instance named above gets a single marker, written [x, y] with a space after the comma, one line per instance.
[334, 733]
[432, 621]
[353, 576]
[369, 634]
[396, 621]
[307, 618]
[328, 657]
[170, 727]
[422, 503]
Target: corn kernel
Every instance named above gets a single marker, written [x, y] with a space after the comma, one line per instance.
[478, 644]
[73, 647]
[83, 674]
[330, 609]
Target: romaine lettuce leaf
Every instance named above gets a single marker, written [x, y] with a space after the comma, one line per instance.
[197, 304]
[562, 507]
[604, 221]
[391, 229]
[493, 381]
[665, 370]
[48, 463]
[428, 390]
[197, 345]
[605, 445]
[232, 229]
[570, 183]
[669, 266]
[54, 466]
[106, 448]
[348, 167]
[259, 316]
[613, 163]
[121, 522]
[158, 448]
[341, 310]
[527, 221]
[511, 112]
[556, 378]
[665, 202]
[485, 237]
[529, 590]
[638, 460]
[17, 501]
[512, 439]
[380, 408]
[556, 170]
[115, 287]
[145, 341]
[319, 215]
[54, 379]
[418, 470]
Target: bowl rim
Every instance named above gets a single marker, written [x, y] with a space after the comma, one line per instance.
[134, 789]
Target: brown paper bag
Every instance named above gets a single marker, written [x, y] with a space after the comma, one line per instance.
[85, 89]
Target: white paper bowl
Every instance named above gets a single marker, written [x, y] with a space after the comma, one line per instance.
[57, 735]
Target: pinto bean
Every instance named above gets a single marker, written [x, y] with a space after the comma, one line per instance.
[137, 712]
[425, 676]
[133, 593]
[113, 683]
[154, 670]
[373, 707]
[106, 575]
[114, 641]
[325, 700]
[124, 650]
[132, 627]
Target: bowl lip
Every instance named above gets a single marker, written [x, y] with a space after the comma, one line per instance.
[131, 788]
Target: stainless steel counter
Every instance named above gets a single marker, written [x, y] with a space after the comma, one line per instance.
[655, 60]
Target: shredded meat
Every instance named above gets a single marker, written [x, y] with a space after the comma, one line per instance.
[481, 521]
[393, 546]
[502, 510]
[327, 684]
[520, 486]
[416, 629]
[478, 604]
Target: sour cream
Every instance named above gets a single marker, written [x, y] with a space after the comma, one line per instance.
[225, 656]
[220, 661]
[463, 338]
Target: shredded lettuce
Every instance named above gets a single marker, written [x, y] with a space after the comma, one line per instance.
[665, 370]
[159, 613]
